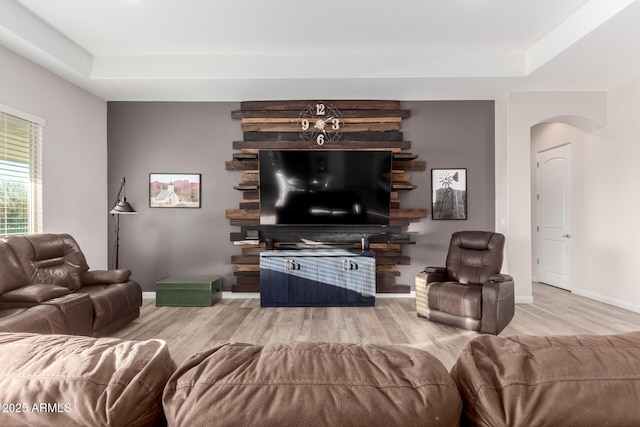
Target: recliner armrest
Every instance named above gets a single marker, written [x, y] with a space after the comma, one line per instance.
[500, 278]
[434, 270]
[497, 303]
[422, 280]
[105, 277]
[434, 274]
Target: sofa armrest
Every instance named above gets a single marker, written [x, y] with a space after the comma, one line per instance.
[498, 304]
[88, 381]
[105, 277]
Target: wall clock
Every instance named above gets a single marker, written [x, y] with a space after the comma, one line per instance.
[320, 122]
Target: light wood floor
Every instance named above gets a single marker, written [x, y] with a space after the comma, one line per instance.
[188, 330]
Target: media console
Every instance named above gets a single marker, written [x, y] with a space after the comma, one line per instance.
[301, 278]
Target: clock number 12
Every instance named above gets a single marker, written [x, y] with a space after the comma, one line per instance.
[320, 109]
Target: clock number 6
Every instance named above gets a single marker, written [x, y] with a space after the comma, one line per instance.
[320, 139]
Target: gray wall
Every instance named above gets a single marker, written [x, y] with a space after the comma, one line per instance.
[150, 137]
[449, 134]
[176, 137]
[74, 151]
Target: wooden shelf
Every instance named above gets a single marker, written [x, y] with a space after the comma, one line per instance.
[245, 187]
[397, 187]
[255, 146]
[294, 136]
[298, 105]
[398, 165]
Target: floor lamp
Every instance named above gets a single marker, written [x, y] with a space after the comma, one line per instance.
[121, 207]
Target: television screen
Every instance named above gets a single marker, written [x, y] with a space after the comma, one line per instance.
[325, 187]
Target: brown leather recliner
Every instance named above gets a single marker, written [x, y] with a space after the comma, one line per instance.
[470, 292]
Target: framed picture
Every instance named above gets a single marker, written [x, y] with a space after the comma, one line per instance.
[174, 190]
[448, 193]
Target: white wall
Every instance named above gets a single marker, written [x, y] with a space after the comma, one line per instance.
[605, 203]
[526, 109]
[501, 168]
[74, 153]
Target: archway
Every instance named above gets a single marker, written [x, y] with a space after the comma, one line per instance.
[516, 114]
[554, 145]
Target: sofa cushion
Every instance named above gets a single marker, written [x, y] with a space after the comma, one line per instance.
[550, 381]
[54, 259]
[302, 384]
[11, 274]
[34, 294]
[83, 381]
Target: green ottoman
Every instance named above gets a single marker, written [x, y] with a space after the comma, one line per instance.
[189, 291]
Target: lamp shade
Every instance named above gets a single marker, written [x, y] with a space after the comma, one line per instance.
[123, 208]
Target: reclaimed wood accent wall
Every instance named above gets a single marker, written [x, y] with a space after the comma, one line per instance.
[366, 125]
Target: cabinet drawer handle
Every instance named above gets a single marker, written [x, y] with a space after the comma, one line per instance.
[348, 265]
[290, 264]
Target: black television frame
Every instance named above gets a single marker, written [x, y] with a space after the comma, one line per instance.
[373, 197]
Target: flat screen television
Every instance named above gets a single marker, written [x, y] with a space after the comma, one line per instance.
[330, 187]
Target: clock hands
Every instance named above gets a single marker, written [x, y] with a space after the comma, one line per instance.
[321, 124]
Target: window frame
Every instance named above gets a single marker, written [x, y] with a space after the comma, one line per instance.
[33, 208]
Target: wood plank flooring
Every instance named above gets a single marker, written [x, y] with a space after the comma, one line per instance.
[188, 330]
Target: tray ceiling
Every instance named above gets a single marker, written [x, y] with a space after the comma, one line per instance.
[282, 49]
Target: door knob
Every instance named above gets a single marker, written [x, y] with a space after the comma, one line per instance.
[566, 235]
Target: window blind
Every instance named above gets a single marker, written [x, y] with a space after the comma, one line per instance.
[20, 176]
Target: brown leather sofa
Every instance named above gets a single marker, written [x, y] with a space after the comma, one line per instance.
[312, 384]
[65, 380]
[46, 287]
[50, 380]
[550, 381]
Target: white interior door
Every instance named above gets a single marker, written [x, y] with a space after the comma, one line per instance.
[554, 216]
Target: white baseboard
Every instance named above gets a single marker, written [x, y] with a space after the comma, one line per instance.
[607, 300]
[240, 295]
[225, 294]
[524, 300]
[411, 294]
